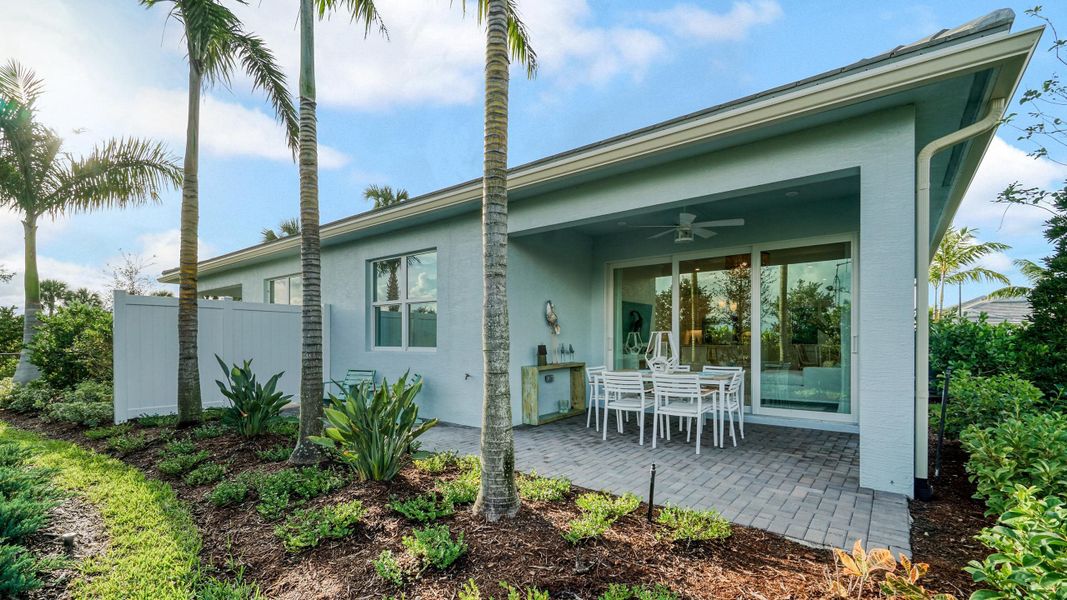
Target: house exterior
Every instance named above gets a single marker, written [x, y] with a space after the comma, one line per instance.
[814, 295]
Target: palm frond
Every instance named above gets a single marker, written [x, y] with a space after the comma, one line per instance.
[1032, 271]
[1011, 291]
[976, 275]
[359, 11]
[518, 36]
[120, 172]
[289, 226]
[268, 235]
[259, 64]
[20, 85]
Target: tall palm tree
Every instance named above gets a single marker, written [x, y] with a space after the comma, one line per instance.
[505, 33]
[952, 263]
[384, 195]
[53, 293]
[286, 228]
[360, 11]
[1033, 273]
[37, 179]
[85, 296]
[216, 43]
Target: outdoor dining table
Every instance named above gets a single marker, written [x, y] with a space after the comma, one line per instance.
[707, 380]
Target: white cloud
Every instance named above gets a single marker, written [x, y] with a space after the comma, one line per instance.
[997, 261]
[694, 22]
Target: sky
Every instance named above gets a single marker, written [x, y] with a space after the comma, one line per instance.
[407, 111]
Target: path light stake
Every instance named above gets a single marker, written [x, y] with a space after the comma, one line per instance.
[68, 543]
[651, 489]
[941, 427]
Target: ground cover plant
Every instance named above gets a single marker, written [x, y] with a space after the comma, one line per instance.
[599, 511]
[543, 489]
[435, 546]
[290, 487]
[308, 528]
[422, 508]
[688, 525]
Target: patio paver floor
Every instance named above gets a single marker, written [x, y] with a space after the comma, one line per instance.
[799, 483]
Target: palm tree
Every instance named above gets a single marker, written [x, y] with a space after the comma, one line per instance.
[286, 228]
[215, 42]
[384, 195]
[958, 250]
[361, 11]
[53, 293]
[38, 179]
[84, 296]
[1033, 273]
[5, 275]
[497, 494]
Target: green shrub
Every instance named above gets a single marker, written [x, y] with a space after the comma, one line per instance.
[978, 347]
[309, 528]
[585, 527]
[389, 568]
[177, 447]
[206, 432]
[464, 488]
[73, 345]
[687, 525]
[10, 344]
[275, 453]
[89, 414]
[18, 571]
[422, 508]
[128, 442]
[434, 546]
[285, 426]
[21, 516]
[1029, 544]
[7, 385]
[31, 397]
[436, 464]
[204, 474]
[470, 591]
[20, 481]
[12, 455]
[227, 493]
[178, 464]
[984, 401]
[109, 431]
[253, 405]
[157, 420]
[1030, 451]
[599, 511]
[1045, 337]
[543, 489]
[278, 491]
[373, 432]
[618, 591]
[91, 392]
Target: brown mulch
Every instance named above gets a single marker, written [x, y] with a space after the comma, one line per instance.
[943, 530]
[528, 550]
[77, 517]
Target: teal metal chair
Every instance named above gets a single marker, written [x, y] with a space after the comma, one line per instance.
[353, 378]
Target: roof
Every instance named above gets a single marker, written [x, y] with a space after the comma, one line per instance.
[896, 69]
[997, 310]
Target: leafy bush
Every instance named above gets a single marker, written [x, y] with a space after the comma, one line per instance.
[103, 433]
[205, 432]
[274, 454]
[978, 347]
[464, 488]
[422, 508]
[687, 525]
[278, 491]
[157, 420]
[1029, 544]
[21, 516]
[435, 464]
[128, 442]
[89, 414]
[253, 406]
[204, 474]
[389, 568]
[620, 591]
[984, 401]
[309, 528]
[227, 493]
[73, 345]
[373, 432]
[12, 455]
[470, 591]
[543, 489]
[434, 546]
[7, 385]
[1045, 336]
[1029, 451]
[91, 392]
[179, 464]
[33, 396]
[10, 343]
[599, 511]
[587, 526]
[18, 571]
[177, 447]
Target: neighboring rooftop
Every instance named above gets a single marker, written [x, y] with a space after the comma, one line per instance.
[997, 310]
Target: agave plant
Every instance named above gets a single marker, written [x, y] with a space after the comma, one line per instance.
[373, 429]
[254, 406]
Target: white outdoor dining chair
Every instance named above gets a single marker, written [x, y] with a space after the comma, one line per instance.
[624, 392]
[594, 377]
[732, 403]
[739, 391]
[681, 395]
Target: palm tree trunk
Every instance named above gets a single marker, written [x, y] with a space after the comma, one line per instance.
[497, 496]
[306, 452]
[189, 404]
[26, 371]
[941, 300]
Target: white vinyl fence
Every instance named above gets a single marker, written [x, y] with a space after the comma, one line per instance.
[146, 349]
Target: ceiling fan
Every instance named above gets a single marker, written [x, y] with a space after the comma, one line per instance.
[687, 226]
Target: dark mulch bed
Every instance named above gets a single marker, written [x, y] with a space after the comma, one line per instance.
[943, 530]
[74, 516]
[525, 551]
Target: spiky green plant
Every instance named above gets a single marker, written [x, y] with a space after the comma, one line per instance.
[254, 406]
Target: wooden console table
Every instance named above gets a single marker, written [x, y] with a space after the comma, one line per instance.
[531, 381]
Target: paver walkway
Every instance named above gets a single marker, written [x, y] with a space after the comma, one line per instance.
[800, 483]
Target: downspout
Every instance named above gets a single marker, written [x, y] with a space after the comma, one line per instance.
[922, 270]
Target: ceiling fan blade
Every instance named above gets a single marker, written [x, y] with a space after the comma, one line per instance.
[685, 218]
[721, 223]
[653, 226]
[661, 234]
[704, 233]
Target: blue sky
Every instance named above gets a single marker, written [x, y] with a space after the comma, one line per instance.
[407, 112]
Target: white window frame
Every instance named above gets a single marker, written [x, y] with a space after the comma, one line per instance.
[267, 285]
[403, 301]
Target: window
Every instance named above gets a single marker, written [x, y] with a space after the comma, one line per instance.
[404, 296]
[284, 290]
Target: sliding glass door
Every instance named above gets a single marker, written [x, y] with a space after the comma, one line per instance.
[643, 303]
